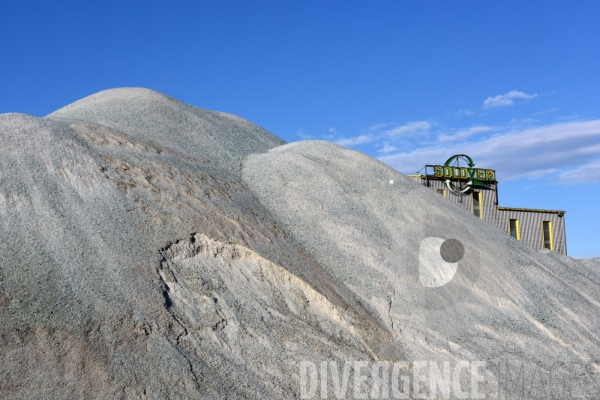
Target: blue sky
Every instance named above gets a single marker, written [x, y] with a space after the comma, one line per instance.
[513, 84]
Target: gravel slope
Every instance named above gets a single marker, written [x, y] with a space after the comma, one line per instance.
[143, 113]
[364, 221]
[132, 270]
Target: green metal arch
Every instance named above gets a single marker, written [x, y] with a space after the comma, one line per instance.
[454, 157]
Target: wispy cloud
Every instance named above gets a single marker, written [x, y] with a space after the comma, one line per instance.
[586, 173]
[353, 141]
[464, 133]
[409, 129]
[532, 152]
[303, 135]
[378, 127]
[506, 99]
[550, 110]
[464, 112]
[387, 148]
[387, 132]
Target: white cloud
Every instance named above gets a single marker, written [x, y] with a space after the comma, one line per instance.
[498, 101]
[411, 128]
[383, 132]
[387, 148]
[302, 135]
[506, 99]
[362, 139]
[332, 130]
[464, 133]
[515, 94]
[586, 173]
[464, 112]
[550, 110]
[377, 127]
[526, 153]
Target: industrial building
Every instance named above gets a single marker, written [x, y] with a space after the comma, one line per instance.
[476, 190]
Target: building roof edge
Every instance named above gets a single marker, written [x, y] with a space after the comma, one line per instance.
[530, 210]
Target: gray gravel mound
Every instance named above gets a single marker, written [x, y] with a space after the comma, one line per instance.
[149, 115]
[153, 250]
[132, 270]
[364, 222]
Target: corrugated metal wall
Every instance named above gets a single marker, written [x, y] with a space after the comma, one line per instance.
[466, 200]
[531, 227]
[530, 222]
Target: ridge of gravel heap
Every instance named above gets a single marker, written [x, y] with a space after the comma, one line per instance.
[145, 114]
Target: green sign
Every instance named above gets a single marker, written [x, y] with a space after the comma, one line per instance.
[452, 170]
